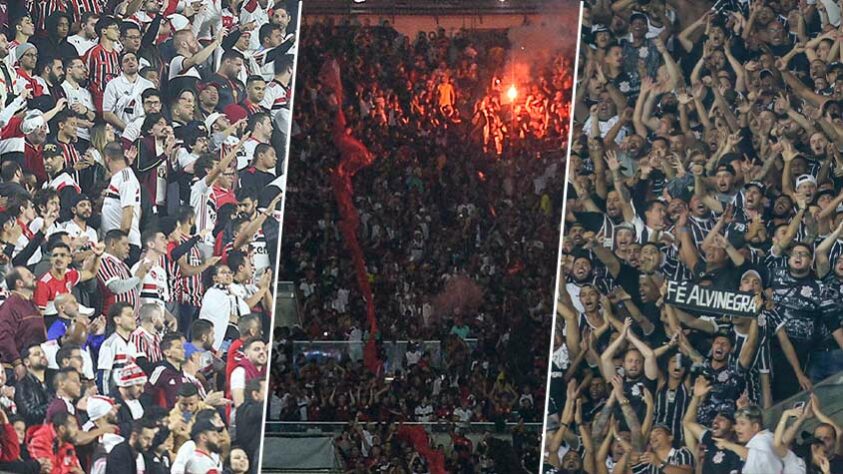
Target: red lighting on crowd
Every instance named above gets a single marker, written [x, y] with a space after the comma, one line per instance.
[512, 92]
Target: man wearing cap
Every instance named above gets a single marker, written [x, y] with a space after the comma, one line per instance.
[32, 127]
[102, 420]
[122, 101]
[209, 98]
[206, 456]
[27, 55]
[131, 381]
[60, 179]
[715, 460]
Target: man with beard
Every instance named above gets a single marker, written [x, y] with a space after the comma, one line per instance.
[78, 228]
[19, 320]
[27, 55]
[251, 366]
[131, 381]
[754, 444]
[59, 175]
[122, 100]
[126, 457]
[725, 370]
[79, 98]
[50, 75]
[205, 459]
[151, 103]
[715, 460]
[102, 420]
[147, 337]
[806, 307]
[56, 442]
[166, 377]
[640, 369]
[31, 394]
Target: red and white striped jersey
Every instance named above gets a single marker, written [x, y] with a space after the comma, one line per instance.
[42, 9]
[277, 97]
[113, 269]
[62, 181]
[77, 8]
[186, 289]
[147, 344]
[103, 66]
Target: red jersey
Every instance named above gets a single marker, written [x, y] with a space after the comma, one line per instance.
[48, 287]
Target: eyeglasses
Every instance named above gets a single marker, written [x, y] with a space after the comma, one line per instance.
[30, 55]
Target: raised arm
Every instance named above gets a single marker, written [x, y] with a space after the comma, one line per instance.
[693, 430]
[651, 366]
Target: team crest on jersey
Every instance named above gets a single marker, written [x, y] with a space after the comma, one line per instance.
[718, 458]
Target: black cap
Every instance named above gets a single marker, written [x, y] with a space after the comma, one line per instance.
[50, 150]
[726, 167]
[77, 198]
[757, 184]
[638, 16]
[201, 426]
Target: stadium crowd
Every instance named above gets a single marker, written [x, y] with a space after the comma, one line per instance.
[464, 193]
[706, 150]
[141, 145]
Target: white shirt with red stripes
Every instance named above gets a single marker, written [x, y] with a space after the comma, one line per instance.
[123, 191]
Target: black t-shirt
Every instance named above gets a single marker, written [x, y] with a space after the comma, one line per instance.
[716, 460]
[727, 384]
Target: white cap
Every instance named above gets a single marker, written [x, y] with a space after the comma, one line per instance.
[211, 119]
[805, 178]
[179, 22]
[32, 121]
[99, 406]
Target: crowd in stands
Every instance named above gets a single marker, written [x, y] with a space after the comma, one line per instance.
[141, 149]
[706, 151]
[465, 191]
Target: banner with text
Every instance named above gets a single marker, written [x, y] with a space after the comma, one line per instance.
[700, 299]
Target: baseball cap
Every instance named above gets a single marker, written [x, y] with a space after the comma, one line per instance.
[32, 121]
[638, 16]
[757, 184]
[211, 119]
[805, 178]
[77, 198]
[235, 112]
[204, 85]
[50, 150]
[178, 22]
[99, 406]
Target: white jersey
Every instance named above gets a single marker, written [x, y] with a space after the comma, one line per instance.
[124, 97]
[248, 155]
[206, 214]
[154, 287]
[82, 44]
[275, 98]
[133, 130]
[123, 191]
[115, 353]
[74, 231]
[79, 95]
